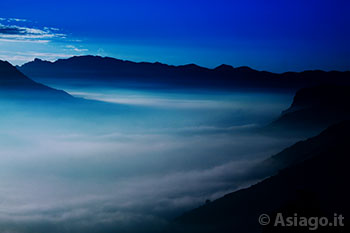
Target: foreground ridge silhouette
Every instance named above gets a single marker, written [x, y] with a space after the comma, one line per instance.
[14, 84]
[312, 184]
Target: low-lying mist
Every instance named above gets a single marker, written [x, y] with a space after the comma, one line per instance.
[127, 160]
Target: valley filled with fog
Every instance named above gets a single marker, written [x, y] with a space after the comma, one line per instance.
[128, 159]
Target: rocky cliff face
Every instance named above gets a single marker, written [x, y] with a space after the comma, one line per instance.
[313, 109]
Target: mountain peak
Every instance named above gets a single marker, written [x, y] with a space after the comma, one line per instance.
[224, 67]
[9, 73]
[191, 66]
[244, 69]
[4, 64]
[37, 61]
[14, 84]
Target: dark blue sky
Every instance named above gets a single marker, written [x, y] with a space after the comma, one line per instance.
[269, 35]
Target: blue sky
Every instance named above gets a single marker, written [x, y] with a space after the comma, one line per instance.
[266, 35]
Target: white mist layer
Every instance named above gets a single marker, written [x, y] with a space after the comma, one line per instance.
[160, 155]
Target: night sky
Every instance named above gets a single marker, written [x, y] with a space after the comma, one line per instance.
[269, 35]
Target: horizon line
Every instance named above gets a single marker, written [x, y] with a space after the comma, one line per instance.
[188, 64]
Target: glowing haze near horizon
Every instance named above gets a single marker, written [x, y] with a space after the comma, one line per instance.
[267, 35]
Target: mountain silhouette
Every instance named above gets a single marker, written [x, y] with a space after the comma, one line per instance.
[313, 183]
[110, 71]
[14, 84]
[313, 109]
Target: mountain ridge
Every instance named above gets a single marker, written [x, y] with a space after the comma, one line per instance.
[14, 84]
[112, 70]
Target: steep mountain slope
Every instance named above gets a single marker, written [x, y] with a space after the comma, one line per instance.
[109, 71]
[14, 84]
[313, 109]
[314, 184]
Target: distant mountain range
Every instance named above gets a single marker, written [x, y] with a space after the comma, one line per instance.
[312, 182]
[313, 109]
[14, 84]
[107, 71]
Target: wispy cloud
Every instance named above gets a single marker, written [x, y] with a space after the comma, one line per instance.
[13, 20]
[23, 30]
[74, 48]
[22, 33]
[22, 40]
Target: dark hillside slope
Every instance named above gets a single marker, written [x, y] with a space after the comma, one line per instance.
[14, 84]
[313, 186]
[314, 109]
